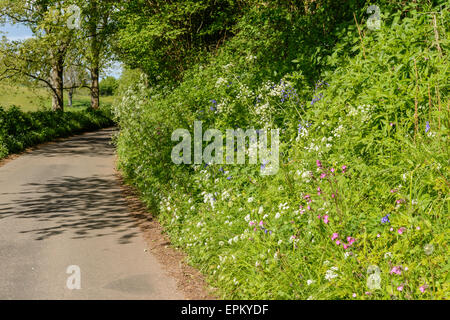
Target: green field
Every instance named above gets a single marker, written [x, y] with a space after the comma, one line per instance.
[32, 99]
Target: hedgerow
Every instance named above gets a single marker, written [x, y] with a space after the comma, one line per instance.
[19, 130]
[359, 207]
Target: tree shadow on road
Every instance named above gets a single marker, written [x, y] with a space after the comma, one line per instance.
[85, 207]
[93, 144]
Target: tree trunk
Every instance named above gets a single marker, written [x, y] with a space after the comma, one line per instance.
[69, 96]
[95, 52]
[95, 96]
[57, 84]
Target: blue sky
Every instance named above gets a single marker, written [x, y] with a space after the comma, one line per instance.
[21, 32]
[15, 32]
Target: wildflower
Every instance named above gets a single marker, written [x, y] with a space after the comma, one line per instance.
[394, 190]
[325, 219]
[332, 195]
[388, 255]
[323, 175]
[400, 288]
[261, 223]
[391, 229]
[378, 235]
[250, 199]
[309, 282]
[396, 270]
[334, 236]
[427, 127]
[331, 274]
[354, 295]
[319, 164]
[385, 219]
[344, 168]
[251, 223]
[247, 218]
[319, 191]
[423, 288]
[332, 170]
[280, 242]
[278, 215]
[338, 242]
[401, 230]
[229, 178]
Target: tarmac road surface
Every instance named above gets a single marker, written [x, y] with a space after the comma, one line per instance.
[61, 206]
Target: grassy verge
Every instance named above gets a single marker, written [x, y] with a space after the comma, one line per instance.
[359, 207]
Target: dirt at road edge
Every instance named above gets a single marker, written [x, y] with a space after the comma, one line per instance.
[189, 280]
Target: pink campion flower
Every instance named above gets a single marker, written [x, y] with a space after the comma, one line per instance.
[323, 175]
[396, 270]
[319, 216]
[350, 240]
[401, 230]
[354, 295]
[338, 242]
[254, 229]
[400, 288]
[335, 236]
[325, 219]
[423, 288]
[332, 169]
[344, 168]
[251, 223]
[309, 207]
[332, 195]
[319, 164]
[345, 246]
[394, 190]
[319, 191]
[378, 235]
[261, 223]
[418, 228]
[391, 229]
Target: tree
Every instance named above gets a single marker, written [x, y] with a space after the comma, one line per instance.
[97, 28]
[41, 58]
[108, 86]
[162, 38]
